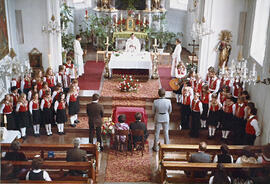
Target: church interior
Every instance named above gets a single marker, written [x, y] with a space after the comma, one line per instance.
[125, 91]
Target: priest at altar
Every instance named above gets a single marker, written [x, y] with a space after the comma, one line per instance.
[133, 44]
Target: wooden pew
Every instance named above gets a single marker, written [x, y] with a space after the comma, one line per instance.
[57, 182]
[181, 166]
[43, 149]
[182, 152]
[60, 167]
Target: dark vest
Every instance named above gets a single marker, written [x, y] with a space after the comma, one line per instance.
[224, 158]
[36, 176]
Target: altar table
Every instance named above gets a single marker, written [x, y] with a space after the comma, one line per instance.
[126, 60]
[130, 114]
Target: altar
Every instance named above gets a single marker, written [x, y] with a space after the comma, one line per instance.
[127, 60]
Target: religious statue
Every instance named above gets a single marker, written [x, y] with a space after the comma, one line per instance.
[224, 47]
[106, 4]
[156, 4]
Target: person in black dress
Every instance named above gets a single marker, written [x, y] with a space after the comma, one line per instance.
[61, 115]
[35, 113]
[36, 173]
[225, 156]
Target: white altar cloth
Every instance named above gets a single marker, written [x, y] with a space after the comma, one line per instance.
[11, 136]
[127, 60]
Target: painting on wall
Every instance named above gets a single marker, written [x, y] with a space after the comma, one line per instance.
[3, 31]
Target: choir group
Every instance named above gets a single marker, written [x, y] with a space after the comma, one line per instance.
[37, 100]
[217, 103]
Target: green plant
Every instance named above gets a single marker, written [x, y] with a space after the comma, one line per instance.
[97, 28]
[65, 19]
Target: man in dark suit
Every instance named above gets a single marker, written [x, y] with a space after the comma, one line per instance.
[95, 114]
[200, 157]
[76, 155]
[138, 125]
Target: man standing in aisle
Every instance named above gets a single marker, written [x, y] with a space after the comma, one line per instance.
[162, 108]
[78, 56]
[95, 114]
[176, 56]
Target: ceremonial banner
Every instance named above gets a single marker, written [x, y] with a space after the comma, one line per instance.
[3, 31]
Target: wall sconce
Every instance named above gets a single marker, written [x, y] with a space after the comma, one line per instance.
[53, 26]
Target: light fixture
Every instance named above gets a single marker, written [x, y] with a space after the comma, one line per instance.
[238, 72]
[52, 27]
[200, 29]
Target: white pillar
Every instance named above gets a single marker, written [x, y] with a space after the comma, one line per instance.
[205, 49]
[55, 45]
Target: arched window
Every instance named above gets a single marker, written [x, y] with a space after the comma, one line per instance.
[260, 28]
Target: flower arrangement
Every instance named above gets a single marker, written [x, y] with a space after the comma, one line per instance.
[108, 127]
[128, 84]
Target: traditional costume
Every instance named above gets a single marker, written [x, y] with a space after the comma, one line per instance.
[47, 114]
[227, 119]
[185, 101]
[196, 110]
[23, 117]
[6, 109]
[35, 115]
[205, 99]
[61, 116]
[252, 130]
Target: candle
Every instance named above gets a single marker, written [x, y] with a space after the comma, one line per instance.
[254, 66]
[121, 17]
[86, 13]
[144, 20]
[139, 17]
[107, 40]
[49, 60]
[155, 41]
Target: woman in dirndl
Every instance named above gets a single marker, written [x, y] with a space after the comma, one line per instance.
[34, 109]
[61, 115]
[23, 114]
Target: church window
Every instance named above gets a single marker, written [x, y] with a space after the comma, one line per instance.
[259, 33]
[179, 4]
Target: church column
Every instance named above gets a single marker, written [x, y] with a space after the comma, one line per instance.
[54, 55]
[204, 49]
[148, 5]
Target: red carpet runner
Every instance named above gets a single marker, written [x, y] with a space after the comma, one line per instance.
[122, 168]
[91, 78]
[165, 77]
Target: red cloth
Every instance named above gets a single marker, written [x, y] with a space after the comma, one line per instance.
[130, 114]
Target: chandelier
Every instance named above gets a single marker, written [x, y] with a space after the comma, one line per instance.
[52, 27]
[201, 29]
[238, 72]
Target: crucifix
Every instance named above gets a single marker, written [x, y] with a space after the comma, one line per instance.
[193, 56]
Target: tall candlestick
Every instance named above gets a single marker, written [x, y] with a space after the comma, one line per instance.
[121, 17]
[107, 40]
[139, 17]
[144, 20]
[155, 41]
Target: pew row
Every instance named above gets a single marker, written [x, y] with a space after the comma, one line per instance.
[31, 150]
[58, 170]
[182, 152]
[180, 166]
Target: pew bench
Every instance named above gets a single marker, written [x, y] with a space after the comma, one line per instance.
[86, 181]
[182, 152]
[180, 166]
[59, 150]
[58, 170]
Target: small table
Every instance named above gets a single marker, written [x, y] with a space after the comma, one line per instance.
[11, 136]
[130, 114]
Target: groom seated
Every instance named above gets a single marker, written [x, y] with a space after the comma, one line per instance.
[138, 125]
[133, 44]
